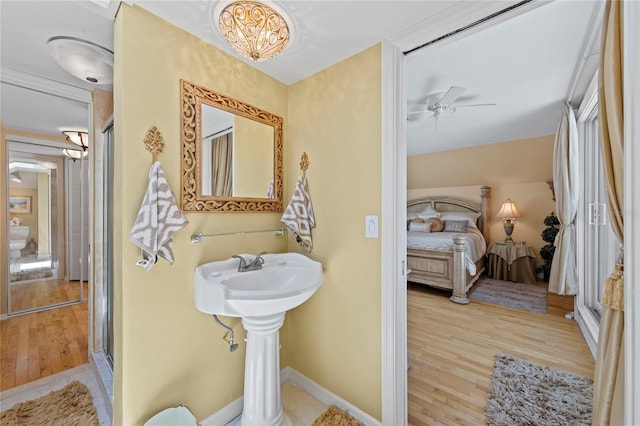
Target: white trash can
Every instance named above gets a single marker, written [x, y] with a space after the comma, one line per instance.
[174, 416]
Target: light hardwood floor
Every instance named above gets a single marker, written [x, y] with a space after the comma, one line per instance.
[37, 345]
[452, 348]
[37, 294]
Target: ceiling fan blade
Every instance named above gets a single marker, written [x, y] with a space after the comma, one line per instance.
[422, 111]
[429, 121]
[473, 105]
[452, 94]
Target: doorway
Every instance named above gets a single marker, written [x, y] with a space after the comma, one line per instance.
[45, 273]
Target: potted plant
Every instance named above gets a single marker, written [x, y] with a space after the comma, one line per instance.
[549, 236]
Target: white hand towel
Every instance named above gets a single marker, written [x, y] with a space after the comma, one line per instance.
[158, 219]
[298, 216]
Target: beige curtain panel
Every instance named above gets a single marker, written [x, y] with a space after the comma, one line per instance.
[563, 277]
[608, 388]
[222, 162]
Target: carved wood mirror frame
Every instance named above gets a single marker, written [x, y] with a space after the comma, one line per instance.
[192, 97]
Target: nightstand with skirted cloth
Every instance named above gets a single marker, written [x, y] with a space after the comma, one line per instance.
[511, 262]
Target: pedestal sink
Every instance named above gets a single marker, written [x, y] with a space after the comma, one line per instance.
[261, 298]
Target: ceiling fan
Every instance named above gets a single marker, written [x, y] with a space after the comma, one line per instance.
[439, 103]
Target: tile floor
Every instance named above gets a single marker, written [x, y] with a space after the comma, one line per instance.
[301, 407]
[84, 374]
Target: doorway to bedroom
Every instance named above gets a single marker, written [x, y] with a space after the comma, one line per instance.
[473, 119]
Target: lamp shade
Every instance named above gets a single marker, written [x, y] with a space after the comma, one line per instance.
[78, 138]
[508, 211]
[83, 59]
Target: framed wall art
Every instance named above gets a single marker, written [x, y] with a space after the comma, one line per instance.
[20, 204]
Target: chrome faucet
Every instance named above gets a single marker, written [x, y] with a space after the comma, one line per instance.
[255, 264]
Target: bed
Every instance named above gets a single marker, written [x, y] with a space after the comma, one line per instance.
[447, 260]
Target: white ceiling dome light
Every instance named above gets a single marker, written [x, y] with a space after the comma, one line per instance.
[83, 59]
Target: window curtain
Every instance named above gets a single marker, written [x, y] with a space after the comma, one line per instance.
[608, 389]
[221, 161]
[563, 277]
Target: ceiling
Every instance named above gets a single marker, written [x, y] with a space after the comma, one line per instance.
[524, 65]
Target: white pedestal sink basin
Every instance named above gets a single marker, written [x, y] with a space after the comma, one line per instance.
[261, 298]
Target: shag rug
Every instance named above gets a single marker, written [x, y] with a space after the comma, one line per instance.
[523, 393]
[335, 417]
[71, 405]
[32, 274]
[515, 295]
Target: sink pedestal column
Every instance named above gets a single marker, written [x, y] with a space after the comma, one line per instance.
[262, 404]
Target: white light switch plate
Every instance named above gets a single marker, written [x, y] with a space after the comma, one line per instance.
[371, 226]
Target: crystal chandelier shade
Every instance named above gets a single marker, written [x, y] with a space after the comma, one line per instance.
[255, 30]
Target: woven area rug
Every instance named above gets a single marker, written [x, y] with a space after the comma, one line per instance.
[71, 405]
[523, 393]
[335, 417]
[507, 293]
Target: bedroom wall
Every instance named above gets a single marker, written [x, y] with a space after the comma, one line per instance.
[335, 116]
[517, 170]
[167, 352]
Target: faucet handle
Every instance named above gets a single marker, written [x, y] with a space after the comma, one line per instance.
[259, 258]
[243, 263]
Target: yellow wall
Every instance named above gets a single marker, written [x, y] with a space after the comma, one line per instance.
[336, 336]
[517, 170]
[167, 352]
[253, 157]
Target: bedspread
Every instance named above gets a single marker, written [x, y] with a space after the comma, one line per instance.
[475, 244]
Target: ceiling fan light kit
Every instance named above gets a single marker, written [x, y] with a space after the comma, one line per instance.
[439, 103]
[83, 59]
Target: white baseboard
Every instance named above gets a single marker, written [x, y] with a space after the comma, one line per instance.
[588, 327]
[327, 397]
[288, 374]
[3, 317]
[224, 416]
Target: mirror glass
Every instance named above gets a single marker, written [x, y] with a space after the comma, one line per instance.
[45, 228]
[232, 154]
[236, 155]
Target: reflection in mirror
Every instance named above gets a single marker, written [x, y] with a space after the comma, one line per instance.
[39, 274]
[232, 154]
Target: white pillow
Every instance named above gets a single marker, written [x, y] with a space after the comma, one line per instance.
[470, 217]
[428, 213]
[420, 227]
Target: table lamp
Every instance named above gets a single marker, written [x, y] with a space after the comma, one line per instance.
[508, 213]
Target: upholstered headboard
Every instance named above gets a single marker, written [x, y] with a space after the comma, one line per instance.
[448, 204]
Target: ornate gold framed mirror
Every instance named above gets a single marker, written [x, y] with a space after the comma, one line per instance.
[231, 154]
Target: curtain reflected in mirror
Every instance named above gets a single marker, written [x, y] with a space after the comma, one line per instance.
[218, 179]
[39, 237]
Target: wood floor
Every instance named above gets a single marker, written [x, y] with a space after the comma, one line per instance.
[37, 294]
[452, 348]
[37, 345]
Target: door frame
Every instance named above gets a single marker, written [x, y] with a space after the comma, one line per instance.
[394, 168]
[50, 87]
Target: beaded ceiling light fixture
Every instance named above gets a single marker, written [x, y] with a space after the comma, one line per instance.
[255, 30]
